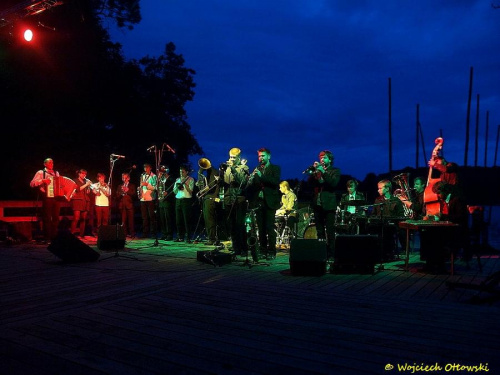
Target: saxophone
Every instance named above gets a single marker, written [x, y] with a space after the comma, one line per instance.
[252, 235]
[161, 188]
[404, 193]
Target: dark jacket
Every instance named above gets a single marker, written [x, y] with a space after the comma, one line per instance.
[344, 201]
[126, 200]
[269, 184]
[325, 190]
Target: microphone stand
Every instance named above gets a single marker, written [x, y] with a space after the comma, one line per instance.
[381, 252]
[158, 158]
[112, 161]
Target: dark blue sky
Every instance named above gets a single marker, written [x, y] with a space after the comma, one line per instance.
[300, 76]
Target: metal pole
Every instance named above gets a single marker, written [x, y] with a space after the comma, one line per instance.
[467, 127]
[496, 146]
[390, 127]
[477, 132]
[416, 136]
[423, 145]
[486, 138]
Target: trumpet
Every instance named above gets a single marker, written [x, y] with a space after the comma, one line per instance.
[124, 190]
[312, 168]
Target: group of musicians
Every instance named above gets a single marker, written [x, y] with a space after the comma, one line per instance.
[240, 191]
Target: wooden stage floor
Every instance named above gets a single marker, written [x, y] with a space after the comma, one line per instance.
[167, 313]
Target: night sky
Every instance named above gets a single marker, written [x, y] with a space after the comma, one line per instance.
[300, 76]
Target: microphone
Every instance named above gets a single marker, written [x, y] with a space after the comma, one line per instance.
[170, 149]
[309, 169]
[118, 156]
[151, 148]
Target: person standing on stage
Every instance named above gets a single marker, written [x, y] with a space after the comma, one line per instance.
[265, 181]
[235, 205]
[102, 193]
[44, 181]
[209, 190]
[80, 202]
[166, 203]
[434, 244]
[449, 170]
[324, 179]
[183, 190]
[147, 195]
[125, 194]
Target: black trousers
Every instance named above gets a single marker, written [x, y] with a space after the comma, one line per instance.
[267, 234]
[235, 216]
[325, 227]
[128, 221]
[167, 218]
[210, 217]
[148, 218]
[183, 213]
[51, 209]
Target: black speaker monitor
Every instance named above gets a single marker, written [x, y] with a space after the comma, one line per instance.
[355, 253]
[71, 250]
[307, 257]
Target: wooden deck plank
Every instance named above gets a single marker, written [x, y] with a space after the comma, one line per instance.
[169, 312]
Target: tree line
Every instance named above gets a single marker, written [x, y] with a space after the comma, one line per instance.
[72, 96]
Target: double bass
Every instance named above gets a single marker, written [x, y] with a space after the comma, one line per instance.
[431, 200]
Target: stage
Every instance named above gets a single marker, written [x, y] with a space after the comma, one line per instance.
[160, 310]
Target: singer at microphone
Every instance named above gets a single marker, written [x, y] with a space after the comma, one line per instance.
[118, 156]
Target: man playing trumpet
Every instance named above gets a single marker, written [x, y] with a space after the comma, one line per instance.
[235, 178]
[183, 190]
[324, 178]
[208, 178]
[125, 194]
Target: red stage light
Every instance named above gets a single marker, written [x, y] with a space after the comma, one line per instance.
[28, 35]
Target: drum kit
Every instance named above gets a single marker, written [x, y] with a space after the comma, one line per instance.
[345, 221]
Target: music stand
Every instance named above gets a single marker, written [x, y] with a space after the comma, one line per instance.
[382, 219]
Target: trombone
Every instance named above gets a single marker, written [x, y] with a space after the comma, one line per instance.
[202, 183]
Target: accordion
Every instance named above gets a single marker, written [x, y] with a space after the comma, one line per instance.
[60, 187]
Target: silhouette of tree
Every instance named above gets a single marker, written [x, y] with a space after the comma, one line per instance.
[72, 96]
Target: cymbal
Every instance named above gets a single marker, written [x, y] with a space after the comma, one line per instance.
[357, 202]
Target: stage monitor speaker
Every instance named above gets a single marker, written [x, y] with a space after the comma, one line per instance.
[307, 257]
[22, 230]
[111, 237]
[71, 250]
[355, 254]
